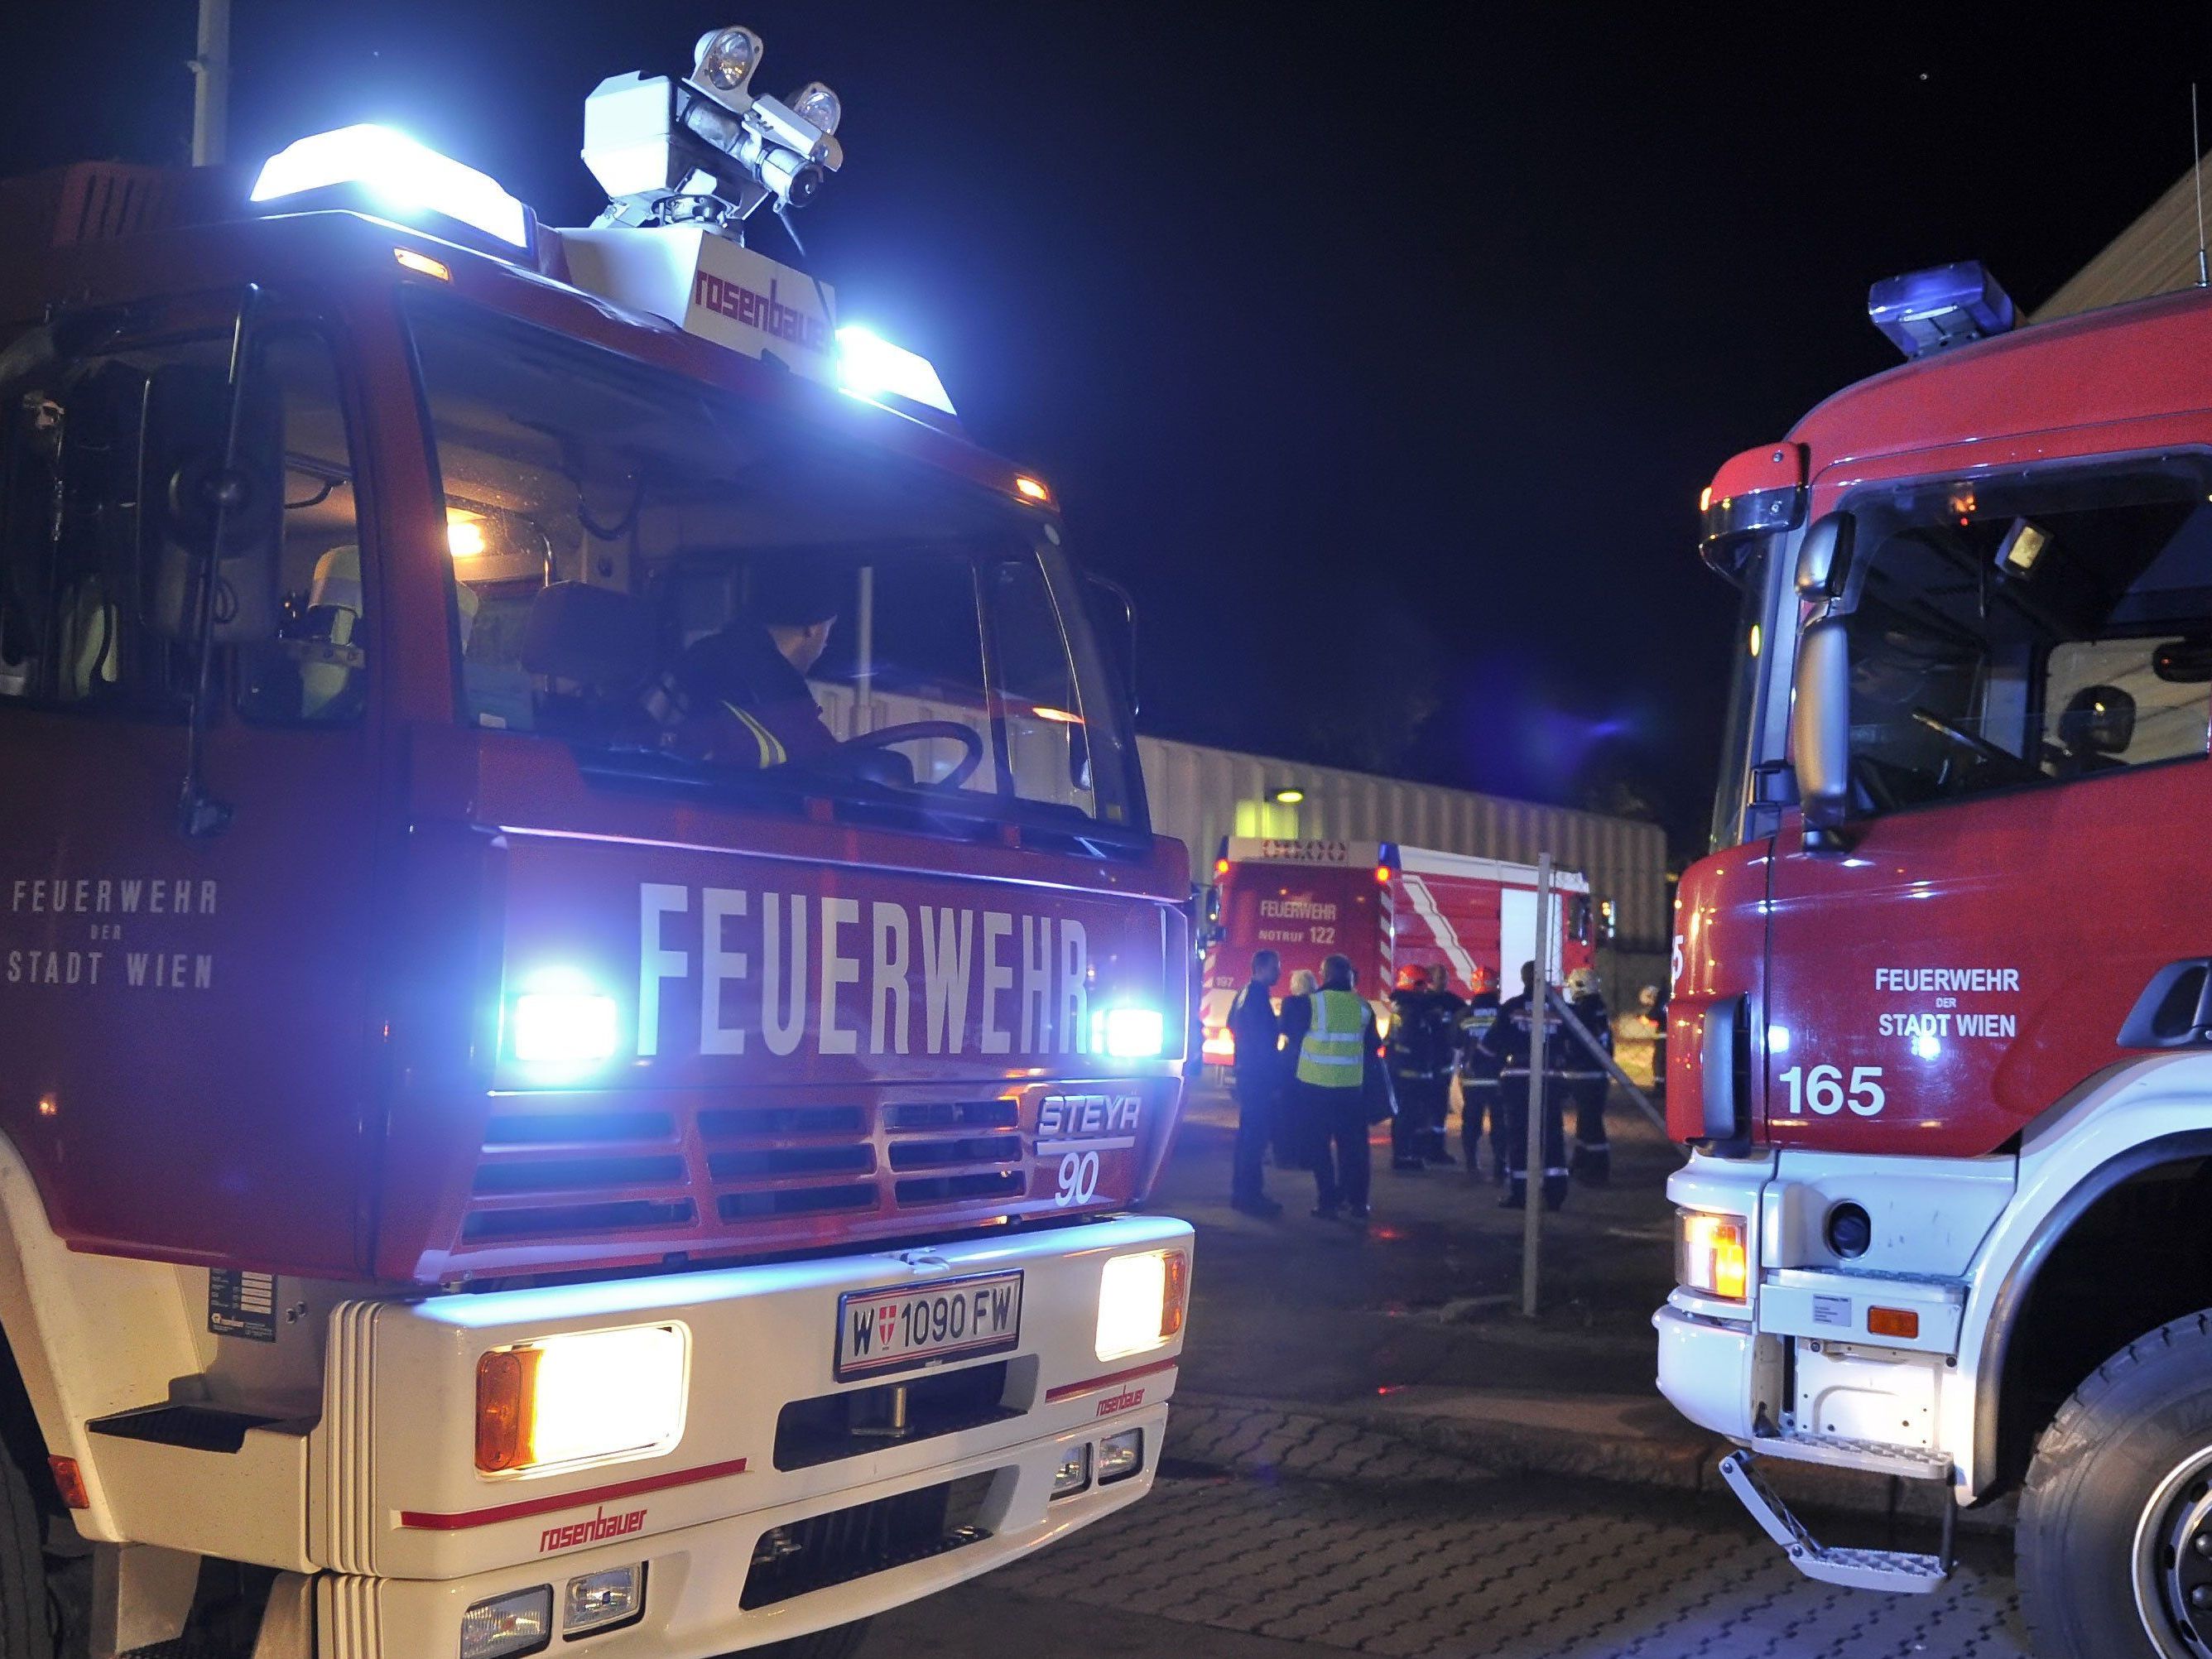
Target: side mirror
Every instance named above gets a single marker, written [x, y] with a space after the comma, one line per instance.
[1115, 613]
[2183, 662]
[1819, 724]
[182, 483]
[1824, 557]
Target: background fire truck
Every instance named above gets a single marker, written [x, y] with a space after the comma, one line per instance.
[477, 1170]
[1940, 993]
[1386, 907]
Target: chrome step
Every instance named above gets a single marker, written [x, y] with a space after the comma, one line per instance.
[1873, 1456]
[1899, 1571]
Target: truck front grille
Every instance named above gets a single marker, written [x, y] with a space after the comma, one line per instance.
[676, 1180]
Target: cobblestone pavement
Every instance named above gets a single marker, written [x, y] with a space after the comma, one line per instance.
[1215, 1566]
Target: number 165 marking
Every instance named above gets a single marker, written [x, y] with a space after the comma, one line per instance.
[1821, 1088]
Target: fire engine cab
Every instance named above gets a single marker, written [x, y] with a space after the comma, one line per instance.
[1941, 1030]
[587, 991]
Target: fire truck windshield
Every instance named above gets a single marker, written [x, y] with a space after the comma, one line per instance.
[2016, 631]
[1739, 743]
[688, 587]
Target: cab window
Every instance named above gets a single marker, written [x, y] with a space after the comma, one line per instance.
[693, 590]
[87, 443]
[2020, 632]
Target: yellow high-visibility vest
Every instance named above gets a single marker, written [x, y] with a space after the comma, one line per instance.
[1330, 1057]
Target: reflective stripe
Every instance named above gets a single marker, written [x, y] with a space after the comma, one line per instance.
[1329, 1057]
[772, 753]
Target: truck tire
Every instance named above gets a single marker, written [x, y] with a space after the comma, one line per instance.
[840, 1642]
[2115, 1533]
[23, 1627]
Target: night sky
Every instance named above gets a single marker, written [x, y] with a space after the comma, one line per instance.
[1381, 352]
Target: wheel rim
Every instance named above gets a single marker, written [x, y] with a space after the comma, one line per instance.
[2173, 1561]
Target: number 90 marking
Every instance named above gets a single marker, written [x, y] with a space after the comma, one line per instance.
[1078, 1178]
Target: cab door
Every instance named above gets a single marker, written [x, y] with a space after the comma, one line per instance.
[184, 1016]
[2030, 663]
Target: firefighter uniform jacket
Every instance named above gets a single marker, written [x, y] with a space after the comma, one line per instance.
[1421, 1034]
[1591, 1011]
[1477, 1062]
[1510, 1038]
[748, 695]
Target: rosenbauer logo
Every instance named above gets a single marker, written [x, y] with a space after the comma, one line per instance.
[765, 312]
[600, 1528]
[1121, 1402]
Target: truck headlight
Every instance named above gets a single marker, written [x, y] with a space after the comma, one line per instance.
[1120, 1456]
[1073, 1475]
[581, 1398]
[600, 1600]
[519, 1623]
[1141, 1302]
[1712, 1255]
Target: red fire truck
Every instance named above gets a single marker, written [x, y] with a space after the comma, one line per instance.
[1942, 993]
[508, 1138]
[1384, 906]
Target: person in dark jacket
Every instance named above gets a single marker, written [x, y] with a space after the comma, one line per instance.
[1479, 1101]
[1259, 1080]
[1424, 1016]
[744, 686]
[1588, 1081]
[1513, 1040]
[1293, 1133]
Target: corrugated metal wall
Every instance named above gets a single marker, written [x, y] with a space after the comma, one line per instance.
[1200, 795]
[2156, 254]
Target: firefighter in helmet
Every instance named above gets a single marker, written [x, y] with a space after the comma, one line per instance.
[1588, 1080]
[1418, 1053]
[1479, 1101]
[1527, 1034]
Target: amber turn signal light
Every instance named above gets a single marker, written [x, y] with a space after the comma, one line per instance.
[506, 1386]
[1175, 1296]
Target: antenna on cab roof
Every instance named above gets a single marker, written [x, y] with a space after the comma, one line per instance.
[2197, 172]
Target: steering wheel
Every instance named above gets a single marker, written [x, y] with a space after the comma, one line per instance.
[887, 737]
[2005, 760]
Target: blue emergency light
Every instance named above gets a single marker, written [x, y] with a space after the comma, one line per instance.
[397, 175]
[1925, 311]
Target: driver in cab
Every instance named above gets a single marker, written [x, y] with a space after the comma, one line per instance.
[745, 685]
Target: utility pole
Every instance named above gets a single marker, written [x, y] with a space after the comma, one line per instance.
[1539, 1008]
[210, 68]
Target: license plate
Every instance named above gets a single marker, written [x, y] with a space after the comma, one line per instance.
[904, 1327]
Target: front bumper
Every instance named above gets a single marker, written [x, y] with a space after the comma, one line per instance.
[394, 1494]
[1707, 1370]
[1800, 1368]
[694, 1575]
